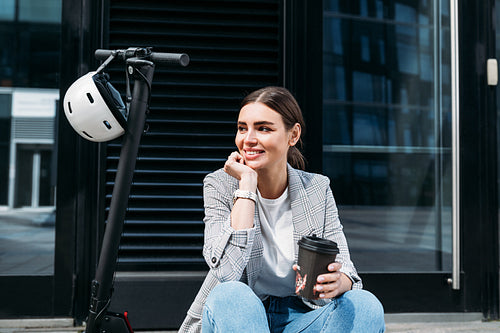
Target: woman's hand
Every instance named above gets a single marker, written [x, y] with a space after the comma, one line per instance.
[235, 166]
[332, 284]
[243, 211]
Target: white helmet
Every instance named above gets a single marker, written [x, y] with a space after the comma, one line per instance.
[94, 108]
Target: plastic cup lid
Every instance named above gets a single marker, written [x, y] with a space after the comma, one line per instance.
[317, 244]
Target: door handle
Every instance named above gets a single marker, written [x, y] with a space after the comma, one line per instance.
[492, 72]
[455, 150]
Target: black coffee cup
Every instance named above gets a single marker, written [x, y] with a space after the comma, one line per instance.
[315, 254]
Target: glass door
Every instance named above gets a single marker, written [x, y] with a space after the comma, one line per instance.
[29, 90]
[387, 134]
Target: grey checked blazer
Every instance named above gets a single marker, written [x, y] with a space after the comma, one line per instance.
[237, 255]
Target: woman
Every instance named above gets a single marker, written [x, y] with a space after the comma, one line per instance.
[256, 209]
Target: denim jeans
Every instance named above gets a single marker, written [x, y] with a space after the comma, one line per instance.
[234, 307]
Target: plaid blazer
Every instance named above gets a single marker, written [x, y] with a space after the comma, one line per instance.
[237, 254]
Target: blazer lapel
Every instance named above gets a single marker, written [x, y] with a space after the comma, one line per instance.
[255, 261]
[303, 223]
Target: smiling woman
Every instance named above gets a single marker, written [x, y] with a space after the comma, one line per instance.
[256, 209]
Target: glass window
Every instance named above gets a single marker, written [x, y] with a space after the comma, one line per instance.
[39, 58]
[47, 11]
[30, 47]
[387, 126]
[29, 71]
[5, 107]
[7, 55]
[8, 10]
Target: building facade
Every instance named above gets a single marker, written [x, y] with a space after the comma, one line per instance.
[401, 115]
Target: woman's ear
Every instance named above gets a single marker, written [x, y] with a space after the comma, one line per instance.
[295, 132]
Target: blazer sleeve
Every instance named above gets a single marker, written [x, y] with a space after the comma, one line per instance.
[334, 231]
[225, 250]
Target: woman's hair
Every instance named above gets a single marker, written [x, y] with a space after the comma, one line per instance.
[282, 101]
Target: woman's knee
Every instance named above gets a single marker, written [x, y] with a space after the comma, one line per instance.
[365, 299]
[233, 307]
[232, 293]
[366, 305]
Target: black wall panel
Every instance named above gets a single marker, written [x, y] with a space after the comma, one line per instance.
[235, 47]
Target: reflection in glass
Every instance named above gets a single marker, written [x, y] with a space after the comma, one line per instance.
[24, 166]
[30, 44]
[5, 107]
[46, 11]
[29, 65]
[386, 113]
[8, 10]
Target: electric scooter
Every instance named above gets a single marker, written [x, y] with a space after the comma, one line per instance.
[140, 64]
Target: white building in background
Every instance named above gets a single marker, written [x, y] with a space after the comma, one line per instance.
[31, 173]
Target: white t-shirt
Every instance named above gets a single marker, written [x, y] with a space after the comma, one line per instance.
[277, 277]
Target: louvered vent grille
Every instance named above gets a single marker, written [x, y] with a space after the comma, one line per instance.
[235, 48]
[33, 128]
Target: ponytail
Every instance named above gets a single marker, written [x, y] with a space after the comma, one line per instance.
[295, 158]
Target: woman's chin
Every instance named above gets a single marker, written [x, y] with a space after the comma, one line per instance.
[253, 165]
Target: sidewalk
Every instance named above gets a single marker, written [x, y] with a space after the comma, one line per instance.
[439, 323]
[401, 323]
[469, 327]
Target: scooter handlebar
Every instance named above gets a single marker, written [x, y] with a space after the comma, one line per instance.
[159, 57]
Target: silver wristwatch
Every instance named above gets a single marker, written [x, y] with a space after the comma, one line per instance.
[244, 194]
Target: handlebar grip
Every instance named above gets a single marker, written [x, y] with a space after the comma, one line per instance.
[169, 58]
[101, 54]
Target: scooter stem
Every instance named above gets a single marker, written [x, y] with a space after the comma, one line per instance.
[102, 285]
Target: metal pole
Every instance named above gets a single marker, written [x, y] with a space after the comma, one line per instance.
[455, 121]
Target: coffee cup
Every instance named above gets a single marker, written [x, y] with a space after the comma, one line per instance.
[315, 254]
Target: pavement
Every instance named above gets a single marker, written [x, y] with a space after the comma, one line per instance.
[439, 323]
[399, 323]
[27, 239]
[469, 327]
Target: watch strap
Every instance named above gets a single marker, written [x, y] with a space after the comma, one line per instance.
[244, 194]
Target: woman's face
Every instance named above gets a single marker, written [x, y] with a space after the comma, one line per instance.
[262, 138]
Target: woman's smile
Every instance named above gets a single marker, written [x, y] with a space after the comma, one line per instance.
[253, 154]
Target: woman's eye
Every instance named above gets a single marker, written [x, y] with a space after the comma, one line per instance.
[241, 129]
[265, 129]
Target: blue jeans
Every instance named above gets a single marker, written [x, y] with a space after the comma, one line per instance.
[234, 307]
